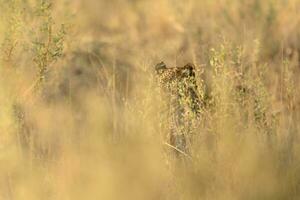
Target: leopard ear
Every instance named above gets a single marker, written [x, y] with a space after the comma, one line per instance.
[160, 66]
[189, 66]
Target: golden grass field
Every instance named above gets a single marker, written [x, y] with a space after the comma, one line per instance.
[82, 115]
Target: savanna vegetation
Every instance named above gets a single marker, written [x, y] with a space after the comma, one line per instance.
[82, 115]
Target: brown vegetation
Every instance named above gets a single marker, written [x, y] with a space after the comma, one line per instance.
[83, 117]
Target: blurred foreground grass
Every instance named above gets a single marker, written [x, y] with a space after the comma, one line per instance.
[81, 116]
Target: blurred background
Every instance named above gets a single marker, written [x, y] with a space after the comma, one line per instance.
[82, 116]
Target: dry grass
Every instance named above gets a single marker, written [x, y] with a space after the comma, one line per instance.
[82, 117]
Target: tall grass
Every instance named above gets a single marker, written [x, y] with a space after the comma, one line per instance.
[82, 115]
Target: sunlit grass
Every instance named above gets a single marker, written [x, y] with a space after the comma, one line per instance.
[82, 115]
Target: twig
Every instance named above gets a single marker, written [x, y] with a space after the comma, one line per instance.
[173, 147]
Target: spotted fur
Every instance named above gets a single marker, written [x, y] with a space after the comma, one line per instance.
[180, 88]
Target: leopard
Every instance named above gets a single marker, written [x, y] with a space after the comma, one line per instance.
[178, 85]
